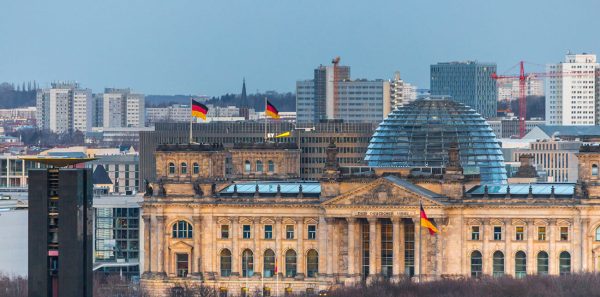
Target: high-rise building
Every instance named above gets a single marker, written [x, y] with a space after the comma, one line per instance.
[121, 108]
[64, 108]
[331, 94]
[401, 92]
[60, 232]
[509, 89]
[469, 83]
[571, 96]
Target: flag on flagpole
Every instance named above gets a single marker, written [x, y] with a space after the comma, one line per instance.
[425, 222]
[271, 110]
[275, 265]
[199, 110]
[284, 134]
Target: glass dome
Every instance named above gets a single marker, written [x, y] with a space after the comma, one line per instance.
[419, 134]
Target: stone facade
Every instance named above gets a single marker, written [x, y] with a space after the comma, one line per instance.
[344, 230]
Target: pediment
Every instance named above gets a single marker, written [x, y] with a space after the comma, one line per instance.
[180, 245]
[384, 191]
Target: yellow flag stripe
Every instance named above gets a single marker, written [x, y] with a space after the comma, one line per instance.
[427, 224]
[284, 134]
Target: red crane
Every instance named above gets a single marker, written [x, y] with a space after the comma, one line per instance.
[522, 85]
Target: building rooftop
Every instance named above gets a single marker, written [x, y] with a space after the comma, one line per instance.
[539, 189]
[558, 130]
[270, 188]
[189, 147]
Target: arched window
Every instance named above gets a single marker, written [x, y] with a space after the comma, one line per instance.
[595, 170]
[259, 166]
[196, 168]
[476, 264]
[225, 262]
[498, 264]
[271, 166]
[542, 263]
[269, 263]
[182, 229]
[171, 168]
[183, 168]
[290, 263]
[520, 264]
[247, 166]
[312, 263]
[247, 263]
[564, 263]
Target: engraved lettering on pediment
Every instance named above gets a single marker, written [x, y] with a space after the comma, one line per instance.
[383, 194]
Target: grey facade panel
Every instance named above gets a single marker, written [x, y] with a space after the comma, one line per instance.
[38, 264]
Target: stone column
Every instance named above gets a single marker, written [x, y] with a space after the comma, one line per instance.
[351, 246]
[396, 222]
[258, 254]
[300, 248]
[531, 256]
[508, 254]
[160, 243]
[330, 243]
[322, 237]
[486, 235]
[576, 245]
[585, 245]
[552, 256]
[402, 248]
[278, 252]
[235, 253]
[372, 246]
[209, 246]
[197, 253]
[417, 226]
[147, 249]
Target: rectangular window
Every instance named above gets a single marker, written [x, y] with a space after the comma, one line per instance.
[289, 232]
[541, 233]
[497, 233]
[564, 233]
[182, 265]
[475, 233]
[519, 233]
[312, 232]
[268, 231]
[246, 231]
[225, 231]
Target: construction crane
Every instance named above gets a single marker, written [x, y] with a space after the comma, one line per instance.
[522, 77]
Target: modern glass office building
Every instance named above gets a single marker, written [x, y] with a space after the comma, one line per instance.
[469, 83]
[419, 134]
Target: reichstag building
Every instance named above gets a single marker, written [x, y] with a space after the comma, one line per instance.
[240, 219]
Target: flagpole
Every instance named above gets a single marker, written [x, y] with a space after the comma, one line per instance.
[265, 119]
[420, 241]
[191, 118]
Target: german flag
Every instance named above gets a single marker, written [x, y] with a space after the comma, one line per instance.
[425, 222]
[271, 110]
[199, 110]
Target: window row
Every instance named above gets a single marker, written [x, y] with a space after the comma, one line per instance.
[268, 232]
[498, 264]
[259, 167]
[183, 168]
[520, 234]
[269, 268]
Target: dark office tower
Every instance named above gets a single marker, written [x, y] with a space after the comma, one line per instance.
[469, 83]
[60, 232]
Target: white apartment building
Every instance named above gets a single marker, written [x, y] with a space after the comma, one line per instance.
[401, 92]
[571, 95]
[64, 108]
[509, 89]
[332, 94]
[121, 108]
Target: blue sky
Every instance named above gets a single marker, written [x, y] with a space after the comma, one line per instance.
[207, 47]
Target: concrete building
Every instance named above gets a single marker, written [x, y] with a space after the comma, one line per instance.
[401, 92]
[64, 108]
[469, 83]
[123, 171]
[509, 89]
[352, 140]
[508, 127]
[60, 202]
[201, 228]
[121, 109]
[335, 96]
[556, 158]
[571, 91]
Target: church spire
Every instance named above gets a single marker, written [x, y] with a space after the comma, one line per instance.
[244, 106]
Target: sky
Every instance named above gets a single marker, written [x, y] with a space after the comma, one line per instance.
[206, 47]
